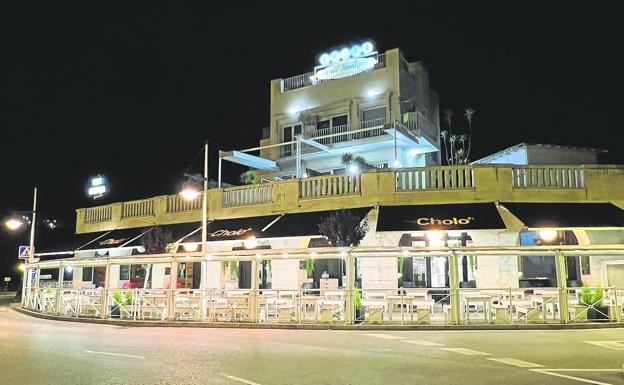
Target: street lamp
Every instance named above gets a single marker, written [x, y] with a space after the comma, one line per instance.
[13, 224]
[190, 191]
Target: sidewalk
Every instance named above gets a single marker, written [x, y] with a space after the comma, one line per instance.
[285, 326]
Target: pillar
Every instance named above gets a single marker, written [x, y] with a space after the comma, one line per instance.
[172, 289]
[562, 285]
[254, 292]
[350, 285]
[454, 286]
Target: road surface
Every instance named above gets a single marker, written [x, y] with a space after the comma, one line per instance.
[36, 351]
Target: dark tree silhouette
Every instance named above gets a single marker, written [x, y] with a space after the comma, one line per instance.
[343, 228]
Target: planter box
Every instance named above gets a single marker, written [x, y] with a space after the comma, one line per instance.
[598, 313]
[578, 313]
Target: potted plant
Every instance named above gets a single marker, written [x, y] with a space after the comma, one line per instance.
[358, 307]
[121, 300]
[593, 298]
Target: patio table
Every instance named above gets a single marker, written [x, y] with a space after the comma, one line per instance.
[477, 299]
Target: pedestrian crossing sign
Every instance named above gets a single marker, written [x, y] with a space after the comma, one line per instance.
[23, 252]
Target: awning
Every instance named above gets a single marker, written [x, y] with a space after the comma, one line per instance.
[70, 244]
[464, 216]
[305, 224]
[239, 228]
[567, 215]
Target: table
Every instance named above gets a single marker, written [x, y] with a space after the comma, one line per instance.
[541, 300]
[476, 299]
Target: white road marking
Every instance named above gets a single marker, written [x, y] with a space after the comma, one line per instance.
[244, 381]
[116, 354]
[615, 345]
[518, 363]
[468, 352]
[554, 372]
[422, 343]
[384, 336]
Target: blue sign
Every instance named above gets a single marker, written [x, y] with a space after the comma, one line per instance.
[23, 252]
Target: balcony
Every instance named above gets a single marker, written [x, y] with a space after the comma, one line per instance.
[308, 79]
[425, 185]
[414, 122]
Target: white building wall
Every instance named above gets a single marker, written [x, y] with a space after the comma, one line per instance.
[496, 271]
[159, 281]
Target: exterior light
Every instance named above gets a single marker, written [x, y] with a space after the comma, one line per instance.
[334, 56]
[396, 163]
[13, 224]
[372, 93]
[250, 243]
[367, 48]
[354, 169]
[345, 53]
[435, 238]
[190, 247]
[304, 175]
[324, 59]
[293, 110]
[547, 235]
[413, 152]
[21, 267]
[405, 252]
[190, 192]
[285, 255]
[356, 50]
[69, 269]
[343, 253]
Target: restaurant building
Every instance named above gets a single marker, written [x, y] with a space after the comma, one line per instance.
[509, 238]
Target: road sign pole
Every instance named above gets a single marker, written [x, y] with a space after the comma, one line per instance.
[31, 256]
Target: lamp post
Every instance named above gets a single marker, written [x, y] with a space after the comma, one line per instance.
[191, 193]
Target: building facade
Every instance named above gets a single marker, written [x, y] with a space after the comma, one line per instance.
[501, 230]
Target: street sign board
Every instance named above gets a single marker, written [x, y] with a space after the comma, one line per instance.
[7, 279]
[23, 252]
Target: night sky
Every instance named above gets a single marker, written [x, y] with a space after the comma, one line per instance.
[131, 90]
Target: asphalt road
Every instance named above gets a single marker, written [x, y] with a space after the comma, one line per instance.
[36, 351]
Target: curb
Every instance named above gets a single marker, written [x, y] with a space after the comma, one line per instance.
[215, 325]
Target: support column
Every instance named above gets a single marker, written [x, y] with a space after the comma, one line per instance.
[562, 285]
[107, 287]
[172, 288]
[25, 278]
[202, 287]
[454, 286]
[298, 153]
[58, 289]
[255, 291]
[350, 285]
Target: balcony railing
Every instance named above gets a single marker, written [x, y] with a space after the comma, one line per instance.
[98, 214]
[308, 79]
[177, 204]
[330, 186]
[419, 124]
[140, 208]
[247, 195]
[435, 178]
[548, 177]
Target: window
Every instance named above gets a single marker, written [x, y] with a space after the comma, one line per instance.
[375, 115]
[87, 274]
[124, 272]
[288, 135]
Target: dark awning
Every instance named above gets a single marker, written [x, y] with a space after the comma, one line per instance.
[305, 224]
[67, 244]
[239, 228]
[562, 215]
[464, 216]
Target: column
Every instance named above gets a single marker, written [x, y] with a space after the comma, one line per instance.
[562, 284]
[172, 289]
[454, 286]
[254, 292]
[350, 285]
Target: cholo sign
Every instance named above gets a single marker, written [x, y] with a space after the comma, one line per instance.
[347, 61]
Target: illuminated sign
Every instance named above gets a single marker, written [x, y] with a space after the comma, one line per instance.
[112, 241]
[229, 233]
[347, 61]
[446, 222]
[96, 187]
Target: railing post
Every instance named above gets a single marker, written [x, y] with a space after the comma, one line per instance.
[253, 295]
[562, 284]
[454, 286]
[107, 288]
[58, 289]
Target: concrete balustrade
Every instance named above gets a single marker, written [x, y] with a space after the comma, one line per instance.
[427, 185]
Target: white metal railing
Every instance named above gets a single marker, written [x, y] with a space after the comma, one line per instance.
[176, 204]
[139, 208]
[560, 177]
[247, 195]
[98, 214]
[330, 185]
[417, 122]
[308, 79]
[435, 178]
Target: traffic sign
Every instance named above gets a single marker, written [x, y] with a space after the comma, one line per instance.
[7, 279]
[23, 252]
